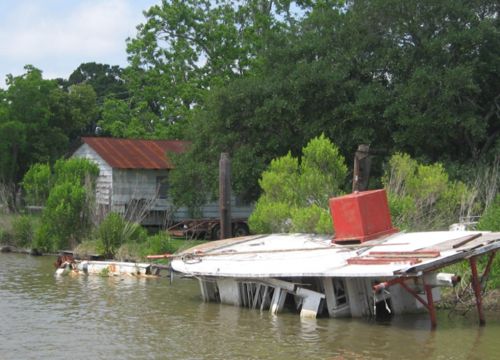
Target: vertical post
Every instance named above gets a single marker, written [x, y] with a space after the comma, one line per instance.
[361, 171]
[225, 195]
[476, 285]
[431, 307]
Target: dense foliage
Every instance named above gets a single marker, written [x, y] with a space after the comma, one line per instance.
[491, 218]
[38, 120]
[416, 77]
[67, 216]
[422, 197]
[295, 192]
[114, 231]
[260, 78]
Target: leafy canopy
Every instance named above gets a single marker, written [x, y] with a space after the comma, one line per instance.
[38, 120]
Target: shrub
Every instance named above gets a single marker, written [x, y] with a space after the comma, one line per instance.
[23, 231]
[86, 248]
[37, 183]
[491, 221]
[6, 221]
[160, 243]
[129, 251]
[312, 219]
[65, 219]
[4, 237]
[422, 197]
[114, 231]
[75, 170]
[491, 217]
[110, 234]
[270, 217]
[295, 193]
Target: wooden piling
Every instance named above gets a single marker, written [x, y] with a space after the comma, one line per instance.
[225, 195]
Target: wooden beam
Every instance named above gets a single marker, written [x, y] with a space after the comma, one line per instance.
[225, 196]
[411, 254]
[383, 261]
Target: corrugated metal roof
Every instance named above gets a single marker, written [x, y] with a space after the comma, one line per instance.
[136, 154]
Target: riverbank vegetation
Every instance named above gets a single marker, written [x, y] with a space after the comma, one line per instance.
[70, 220]
[289, 89]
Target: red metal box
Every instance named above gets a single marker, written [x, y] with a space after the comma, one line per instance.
[361, 216]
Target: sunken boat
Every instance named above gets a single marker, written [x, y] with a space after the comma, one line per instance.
[369, 268]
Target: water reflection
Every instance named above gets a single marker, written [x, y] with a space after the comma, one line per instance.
[43, 316]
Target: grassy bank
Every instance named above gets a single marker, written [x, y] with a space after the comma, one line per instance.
[6, 228]
[119, 240]
[138, 251]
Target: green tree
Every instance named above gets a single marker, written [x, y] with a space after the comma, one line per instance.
[121, 118]
[295, 193]
[106, 80]
[38, 120]
[440, 60]
[190, 185]
[302, 87]
[186, 48]
[419, 77]
[115, 118]
[12, 145]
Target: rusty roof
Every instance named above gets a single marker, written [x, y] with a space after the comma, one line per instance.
[136, 154]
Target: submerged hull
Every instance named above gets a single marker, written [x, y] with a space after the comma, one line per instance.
[107, 268]
[314, 276]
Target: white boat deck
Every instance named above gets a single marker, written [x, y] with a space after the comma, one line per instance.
[301, 255]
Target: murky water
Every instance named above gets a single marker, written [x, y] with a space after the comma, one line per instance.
[44, 317]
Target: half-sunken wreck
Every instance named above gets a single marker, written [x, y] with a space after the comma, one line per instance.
[368, 269]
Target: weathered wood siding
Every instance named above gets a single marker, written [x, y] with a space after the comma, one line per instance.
[104, 184]
[135, 184]
[119, 188]
[131, 185]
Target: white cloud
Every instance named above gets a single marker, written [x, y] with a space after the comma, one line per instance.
[58, 35]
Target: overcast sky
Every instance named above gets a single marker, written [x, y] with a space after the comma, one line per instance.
[56, 36]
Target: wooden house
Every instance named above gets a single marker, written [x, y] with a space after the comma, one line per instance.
[133, 179]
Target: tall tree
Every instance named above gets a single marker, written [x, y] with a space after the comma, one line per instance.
[254, 80]
[38, 120]
[442, 63]
[106, 80]
[187, 47]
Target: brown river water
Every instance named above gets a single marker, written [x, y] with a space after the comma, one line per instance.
[91, 317]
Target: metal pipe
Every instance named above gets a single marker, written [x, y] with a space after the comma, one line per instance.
[476, 285]
[430, 307]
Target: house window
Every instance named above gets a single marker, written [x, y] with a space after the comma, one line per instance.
[162, 186]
